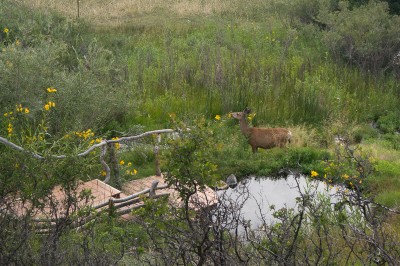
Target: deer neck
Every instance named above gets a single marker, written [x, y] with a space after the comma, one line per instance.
[244, 127]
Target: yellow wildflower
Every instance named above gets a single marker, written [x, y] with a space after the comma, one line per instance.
[48, 105]
[17, 42]
[117, 145]
[6, 30]
[314, 173]
[217, 117]
[345, 176]
[134, 171]
[172, 116]
[129, 164]
[5, 114]
[9, 129]
[26, 111]
[18, 107]
[50, 90]
[103, 173]
[251, 116]
[121, 162]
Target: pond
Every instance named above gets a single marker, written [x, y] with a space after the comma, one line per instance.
[255, 195]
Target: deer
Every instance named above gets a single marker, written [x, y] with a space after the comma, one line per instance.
[265, 138]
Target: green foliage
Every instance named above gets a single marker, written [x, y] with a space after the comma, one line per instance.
[49, 51]
[389, 123]
[394, 6]
[311, 11]
[365, 36]
[190, 164]
[364, 132]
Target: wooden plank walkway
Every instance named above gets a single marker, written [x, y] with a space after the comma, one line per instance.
[202, 199]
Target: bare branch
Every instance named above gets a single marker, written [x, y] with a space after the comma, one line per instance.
[104, 164]
[19, 148]
[91, 148]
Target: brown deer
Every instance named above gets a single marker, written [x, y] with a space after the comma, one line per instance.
[265, 138]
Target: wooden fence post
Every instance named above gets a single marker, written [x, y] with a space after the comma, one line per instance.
[156, 153]
[153, 188]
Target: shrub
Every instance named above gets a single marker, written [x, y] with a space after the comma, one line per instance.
[389, 123]
[366, 36]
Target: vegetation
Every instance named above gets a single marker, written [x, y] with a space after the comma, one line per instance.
[73, 73]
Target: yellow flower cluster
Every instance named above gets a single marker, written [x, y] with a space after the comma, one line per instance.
[51, 90]
[128, 171]
[117, 145]
[9, 114]
[85, 134]
[21, 109]
[251, 116]
[131, 172]
[49, 105]
[314, 174]
[97, 140]
[9, 129]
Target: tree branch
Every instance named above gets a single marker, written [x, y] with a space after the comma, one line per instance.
[86, 152]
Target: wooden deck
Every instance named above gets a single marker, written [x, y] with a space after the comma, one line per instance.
[202, 199]
[102, 196]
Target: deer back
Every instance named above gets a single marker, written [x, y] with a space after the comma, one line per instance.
[268, 137]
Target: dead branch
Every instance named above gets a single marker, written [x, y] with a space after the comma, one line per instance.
[91, 148]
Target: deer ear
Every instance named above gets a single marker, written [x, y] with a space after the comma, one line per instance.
[247, 110]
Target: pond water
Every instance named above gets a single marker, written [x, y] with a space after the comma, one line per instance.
[255, 195]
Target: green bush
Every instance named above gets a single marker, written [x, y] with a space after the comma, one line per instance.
[389, 123]
[364, 132]
[366, 36]
[43, 51]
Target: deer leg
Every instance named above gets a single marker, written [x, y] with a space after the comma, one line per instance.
[254, 148]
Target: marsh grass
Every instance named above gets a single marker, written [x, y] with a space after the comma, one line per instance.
[226, 68]
[213, 57]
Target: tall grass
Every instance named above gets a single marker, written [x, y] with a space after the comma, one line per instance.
[211, 57]
[224, 67]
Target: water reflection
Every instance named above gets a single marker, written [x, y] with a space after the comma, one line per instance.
[255, 195]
